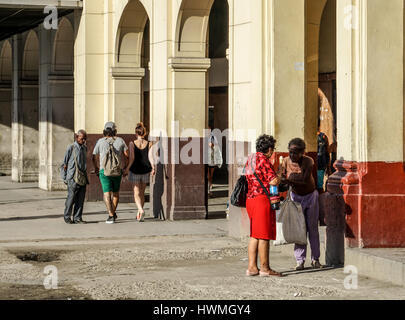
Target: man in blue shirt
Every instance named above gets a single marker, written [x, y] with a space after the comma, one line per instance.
[75, 158]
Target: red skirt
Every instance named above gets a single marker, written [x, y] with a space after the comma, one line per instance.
[262, 218]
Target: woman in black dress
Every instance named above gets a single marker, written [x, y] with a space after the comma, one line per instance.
[140, 167]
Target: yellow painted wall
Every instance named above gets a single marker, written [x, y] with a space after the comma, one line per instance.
[385, 105]
[274, 65]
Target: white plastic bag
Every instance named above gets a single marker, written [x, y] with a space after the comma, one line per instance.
[214, 153]
[291, 226]
[279, 229]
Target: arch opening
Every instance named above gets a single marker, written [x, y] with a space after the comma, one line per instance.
[5, 107]
[321, 106]
[130, 36]
[218, 100]
[130, 77]
[131, 67]
[192, 28]
[31, 57]
[63, 53]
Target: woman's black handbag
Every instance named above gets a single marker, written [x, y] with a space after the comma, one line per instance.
[239, 193]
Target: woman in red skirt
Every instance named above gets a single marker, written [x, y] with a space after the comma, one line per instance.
[262, 217]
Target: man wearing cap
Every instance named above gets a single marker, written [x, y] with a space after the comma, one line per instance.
[110, 184]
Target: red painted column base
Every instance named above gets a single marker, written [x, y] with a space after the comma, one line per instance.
[374, 197]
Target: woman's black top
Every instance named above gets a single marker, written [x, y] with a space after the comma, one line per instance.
[141, 163]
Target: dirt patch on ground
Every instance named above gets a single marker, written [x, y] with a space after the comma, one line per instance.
[9, 291]
[180, 268]
[37, 256]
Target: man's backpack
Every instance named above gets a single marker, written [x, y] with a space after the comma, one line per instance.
[112, 162]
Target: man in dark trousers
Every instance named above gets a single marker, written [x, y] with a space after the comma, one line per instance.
[75, 159]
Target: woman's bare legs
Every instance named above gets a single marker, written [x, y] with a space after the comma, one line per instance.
[264, 247]
[142, 193]
[252, 254]
[264, 255]
[139, 196]
[138, 199]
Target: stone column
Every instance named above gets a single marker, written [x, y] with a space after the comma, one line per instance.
[128, 97]
[56, 115]
[370, 176]
[186, 189]
[251, 92]
[24, 119]
[91, 73]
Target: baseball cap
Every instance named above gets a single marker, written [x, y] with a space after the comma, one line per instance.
[110, 125]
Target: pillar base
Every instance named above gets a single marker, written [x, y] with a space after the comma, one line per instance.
[185, 192]
[26, 177]
[188, 213]
[374, 197]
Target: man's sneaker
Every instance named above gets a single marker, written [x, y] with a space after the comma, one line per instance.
[300, 266]
[115, 217]
[69, 221]
[316, 264]
[110, 220]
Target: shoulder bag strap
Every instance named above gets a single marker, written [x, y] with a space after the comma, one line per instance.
[289, 194]
[260, 181]
[74, 157]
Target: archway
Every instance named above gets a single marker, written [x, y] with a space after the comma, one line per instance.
[63, 53]
[31, 57]
[218, 101]
[192, 28]
[327, 77]
[200, 98]
[5, 107]
[145, 64]
[131, 67]
[130, 80]
[314, 12]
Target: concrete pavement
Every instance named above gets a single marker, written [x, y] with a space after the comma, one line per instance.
[31, 214]
[151, 260]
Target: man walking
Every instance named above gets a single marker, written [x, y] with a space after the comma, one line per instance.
[74, 174]
[110, 150]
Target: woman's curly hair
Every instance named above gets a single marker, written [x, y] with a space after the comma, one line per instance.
[264, 142]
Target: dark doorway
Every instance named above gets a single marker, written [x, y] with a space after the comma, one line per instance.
[218, 104]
